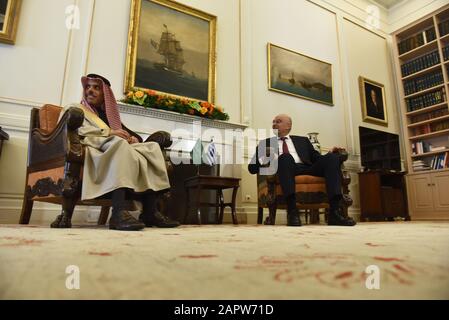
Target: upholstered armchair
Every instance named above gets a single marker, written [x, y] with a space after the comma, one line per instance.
[55, 164]
[310, 194]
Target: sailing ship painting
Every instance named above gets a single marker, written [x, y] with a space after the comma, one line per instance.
[173, 52]
[298, 75]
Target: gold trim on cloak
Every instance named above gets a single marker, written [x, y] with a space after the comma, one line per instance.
[94, 118]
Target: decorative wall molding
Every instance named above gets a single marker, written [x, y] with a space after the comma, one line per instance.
[21, 102]
[14, 123]
[178, 117]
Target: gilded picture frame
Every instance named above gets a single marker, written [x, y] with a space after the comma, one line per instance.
[171, 50]
[374, 107]
[298, 75]
[9, 19]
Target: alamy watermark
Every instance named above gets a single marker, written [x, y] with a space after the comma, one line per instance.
[72, 20]
[72, 281]
[230, 145]
[373, 279]
[373, 19]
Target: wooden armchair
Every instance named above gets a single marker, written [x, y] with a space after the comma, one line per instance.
[310, 195]
[55, 164]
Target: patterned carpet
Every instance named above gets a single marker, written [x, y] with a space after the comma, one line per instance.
[227, 262]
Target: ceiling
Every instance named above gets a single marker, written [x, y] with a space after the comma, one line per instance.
[388, 3]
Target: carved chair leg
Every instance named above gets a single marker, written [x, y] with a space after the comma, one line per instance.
[259, 215]
[64, 220]
[104, 214]
[27, 208]
[315, 216]
[271, 219]
[163, 201]
[70, 195]
[345, 204]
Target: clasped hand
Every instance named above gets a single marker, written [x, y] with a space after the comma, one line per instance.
[124, 135]
[337, 149]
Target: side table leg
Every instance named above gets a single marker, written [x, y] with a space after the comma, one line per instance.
[198, 208]
[186, 213]
[217, 206]
[222, 206]
[234, 215]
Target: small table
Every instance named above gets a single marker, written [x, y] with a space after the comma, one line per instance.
[217, 183]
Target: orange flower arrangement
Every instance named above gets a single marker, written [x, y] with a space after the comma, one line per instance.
[152, 99]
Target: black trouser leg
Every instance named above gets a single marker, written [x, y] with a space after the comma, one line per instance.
[329, 167]
[286, 174]
[118, 201]
[149, 204]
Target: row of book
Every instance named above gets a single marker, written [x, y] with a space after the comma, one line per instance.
[421, 63]
[446, 53]
[431, 127]
[424, 82]
[426, 100]
[417, 40]
[437, 162]
[420, 165]
[444, 28]
[438, 126]
[440, 161]
[430, 115]
[420, 147]
[422, 130]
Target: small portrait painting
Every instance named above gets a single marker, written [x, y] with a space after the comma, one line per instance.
[373, 101]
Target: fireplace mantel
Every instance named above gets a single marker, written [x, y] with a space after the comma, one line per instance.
[176, 117]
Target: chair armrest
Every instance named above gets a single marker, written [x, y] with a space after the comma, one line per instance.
[163, 138]
[343, 154]
[62, 144]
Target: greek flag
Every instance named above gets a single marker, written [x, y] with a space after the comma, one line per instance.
[210, 156]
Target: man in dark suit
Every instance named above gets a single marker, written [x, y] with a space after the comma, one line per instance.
[295, 156]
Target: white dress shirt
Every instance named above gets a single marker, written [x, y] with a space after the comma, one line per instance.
[291, 148]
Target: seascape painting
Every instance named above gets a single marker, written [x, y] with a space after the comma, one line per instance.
[295, 74]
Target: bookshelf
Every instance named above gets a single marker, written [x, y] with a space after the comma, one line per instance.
[379, 150]
[421, 52]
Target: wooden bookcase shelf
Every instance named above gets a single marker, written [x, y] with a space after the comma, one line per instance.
[425, 114]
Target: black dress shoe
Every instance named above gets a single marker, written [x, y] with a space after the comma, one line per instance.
[158, 220]
[125, 221]
[336, 219]
[293, 219]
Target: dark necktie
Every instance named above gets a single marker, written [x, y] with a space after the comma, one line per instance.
[284, 145]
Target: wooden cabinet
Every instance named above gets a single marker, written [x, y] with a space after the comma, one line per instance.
[428, 195]
[421, 52]
[382, 195]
